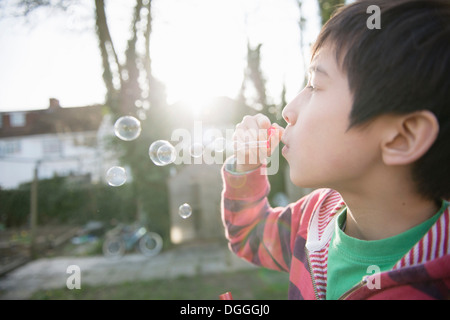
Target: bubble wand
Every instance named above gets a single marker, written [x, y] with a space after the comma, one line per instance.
[259, 143]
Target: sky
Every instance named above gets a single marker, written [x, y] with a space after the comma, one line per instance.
[198, 50]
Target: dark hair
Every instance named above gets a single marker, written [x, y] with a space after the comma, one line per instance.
[400, 68]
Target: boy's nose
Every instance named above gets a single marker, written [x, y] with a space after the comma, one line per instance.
[289, 115]
[290, 112]
[286, 116]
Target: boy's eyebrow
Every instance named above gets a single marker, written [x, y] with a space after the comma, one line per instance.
[317, 68]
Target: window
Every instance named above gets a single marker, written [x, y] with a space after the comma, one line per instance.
[52, 146]
[9, 148]
[17, 119]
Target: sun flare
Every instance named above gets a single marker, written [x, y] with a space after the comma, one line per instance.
[198, 83]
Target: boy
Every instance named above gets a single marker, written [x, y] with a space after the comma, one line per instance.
[370, 133]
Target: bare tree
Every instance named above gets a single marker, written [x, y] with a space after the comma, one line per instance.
[124, 81]
[131, 90]
[129, 84]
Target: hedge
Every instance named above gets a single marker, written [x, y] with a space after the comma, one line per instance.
[60, 203]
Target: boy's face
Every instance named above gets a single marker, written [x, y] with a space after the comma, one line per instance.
[320, 149]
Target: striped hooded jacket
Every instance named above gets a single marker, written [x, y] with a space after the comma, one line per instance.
[296, 238]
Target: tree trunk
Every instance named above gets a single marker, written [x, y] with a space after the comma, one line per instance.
[107, 51]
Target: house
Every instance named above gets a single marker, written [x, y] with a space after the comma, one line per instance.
[56, 141]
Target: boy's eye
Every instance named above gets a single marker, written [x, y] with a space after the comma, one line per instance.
[310, 85]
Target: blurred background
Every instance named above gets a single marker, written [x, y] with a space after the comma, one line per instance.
[70, 69]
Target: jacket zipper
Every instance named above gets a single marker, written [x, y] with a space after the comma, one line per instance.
[360, 284]
[312, 275]
[357, 286]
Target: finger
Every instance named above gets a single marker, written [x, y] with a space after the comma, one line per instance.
[262, 125]
[245, 135]
[263, 122]
[252, 128]
[276, 136]
[240, 131]
[279, 131]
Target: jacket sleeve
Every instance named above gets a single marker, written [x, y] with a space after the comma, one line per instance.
[257, 232]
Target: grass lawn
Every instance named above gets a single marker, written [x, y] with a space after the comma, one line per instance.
[258, 284]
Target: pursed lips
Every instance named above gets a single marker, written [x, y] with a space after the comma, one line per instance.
[286, 145]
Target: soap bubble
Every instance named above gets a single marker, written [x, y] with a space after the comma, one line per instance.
[196, 150]
[127, 128]
[116, 176]
[185, 211]
[162, 153]
[219, 144]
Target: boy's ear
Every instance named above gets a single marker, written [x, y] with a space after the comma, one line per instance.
[409, 137]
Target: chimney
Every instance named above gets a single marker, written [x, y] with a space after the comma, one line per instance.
[54, 104]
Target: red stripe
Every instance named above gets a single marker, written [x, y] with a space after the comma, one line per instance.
[411, 257]
[420, 251]
[446, 223]
[403, 263]
[438, 240]
[320, 277]
[430, 245]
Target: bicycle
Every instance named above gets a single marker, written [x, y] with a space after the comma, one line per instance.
[123, 238]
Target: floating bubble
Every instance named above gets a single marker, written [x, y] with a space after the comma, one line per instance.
[116, 176]
[162, 153]
[220, 144]
[127, 128]
[185, 211]
[196, 150]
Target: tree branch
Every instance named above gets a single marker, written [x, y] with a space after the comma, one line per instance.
[148, 31]
[106, 48]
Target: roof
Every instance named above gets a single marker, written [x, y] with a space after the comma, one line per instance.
[55, 119]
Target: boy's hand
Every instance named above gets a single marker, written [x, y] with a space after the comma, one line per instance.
[249, 141]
